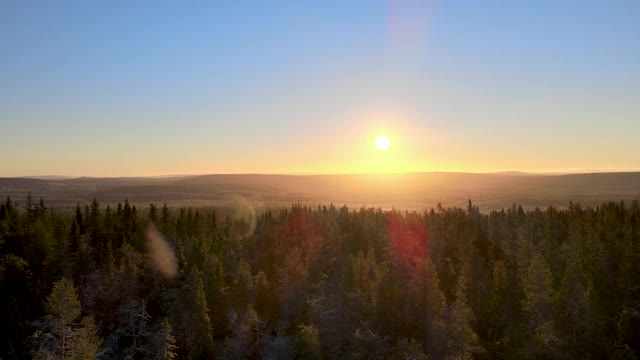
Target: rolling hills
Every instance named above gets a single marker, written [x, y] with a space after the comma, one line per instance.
[411, 190]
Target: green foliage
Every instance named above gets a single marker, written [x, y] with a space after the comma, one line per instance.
[60, 335]
[539, 304]
[463, 341]
[63, 306]
[409, 350]
[201, 339]
[322, 282]
[308, 342]
[85, 344]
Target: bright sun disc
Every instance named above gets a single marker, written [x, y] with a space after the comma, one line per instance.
[382, 142]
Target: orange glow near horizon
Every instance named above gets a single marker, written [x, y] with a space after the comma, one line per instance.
[373, 140]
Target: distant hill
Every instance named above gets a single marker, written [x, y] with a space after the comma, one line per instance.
[411, 190]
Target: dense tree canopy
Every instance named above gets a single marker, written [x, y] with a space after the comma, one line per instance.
[319, 282]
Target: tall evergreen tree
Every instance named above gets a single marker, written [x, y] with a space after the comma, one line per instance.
[427, 308]
[163, 345]
[201, 339]
[539, 304]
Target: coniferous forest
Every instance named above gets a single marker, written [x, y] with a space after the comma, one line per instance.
[326, 282]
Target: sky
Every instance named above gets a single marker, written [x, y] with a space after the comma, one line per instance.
[126, 88]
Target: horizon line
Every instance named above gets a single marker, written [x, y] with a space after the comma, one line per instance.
[165, 176]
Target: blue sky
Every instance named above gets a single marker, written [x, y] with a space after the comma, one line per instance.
[150, 88]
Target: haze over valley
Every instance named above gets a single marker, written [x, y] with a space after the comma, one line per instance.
[413, 191]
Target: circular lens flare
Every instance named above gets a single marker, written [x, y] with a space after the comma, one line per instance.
[382, 142]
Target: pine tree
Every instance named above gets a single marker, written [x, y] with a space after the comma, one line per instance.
[163, 344]
[308, 342]
[388, 301]
[153, 213]
[463, 341]
[83, 264]
[63, 308]
[165, 219]
[243, 288]
[79, 219]
[406, 350]
[201, 338]
[363, 270]
[246, 334]
[95, 225]
[85, 343]
[265, 297]
[428, 305]
[60, 336]
[539, 303]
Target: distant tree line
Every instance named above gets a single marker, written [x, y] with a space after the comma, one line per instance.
[320, 282]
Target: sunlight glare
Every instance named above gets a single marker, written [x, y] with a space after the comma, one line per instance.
[382, 142]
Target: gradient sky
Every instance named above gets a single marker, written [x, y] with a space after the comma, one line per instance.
[152, 88]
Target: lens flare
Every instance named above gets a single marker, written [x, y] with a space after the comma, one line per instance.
[161, 254]
[243, 211]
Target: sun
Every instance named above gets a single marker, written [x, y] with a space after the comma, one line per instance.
[382, 142]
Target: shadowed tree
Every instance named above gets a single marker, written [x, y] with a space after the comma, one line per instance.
[427, 305]
[200, 339]
[539, 304]
[463, 341]
[308, 342]
[163, 344]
